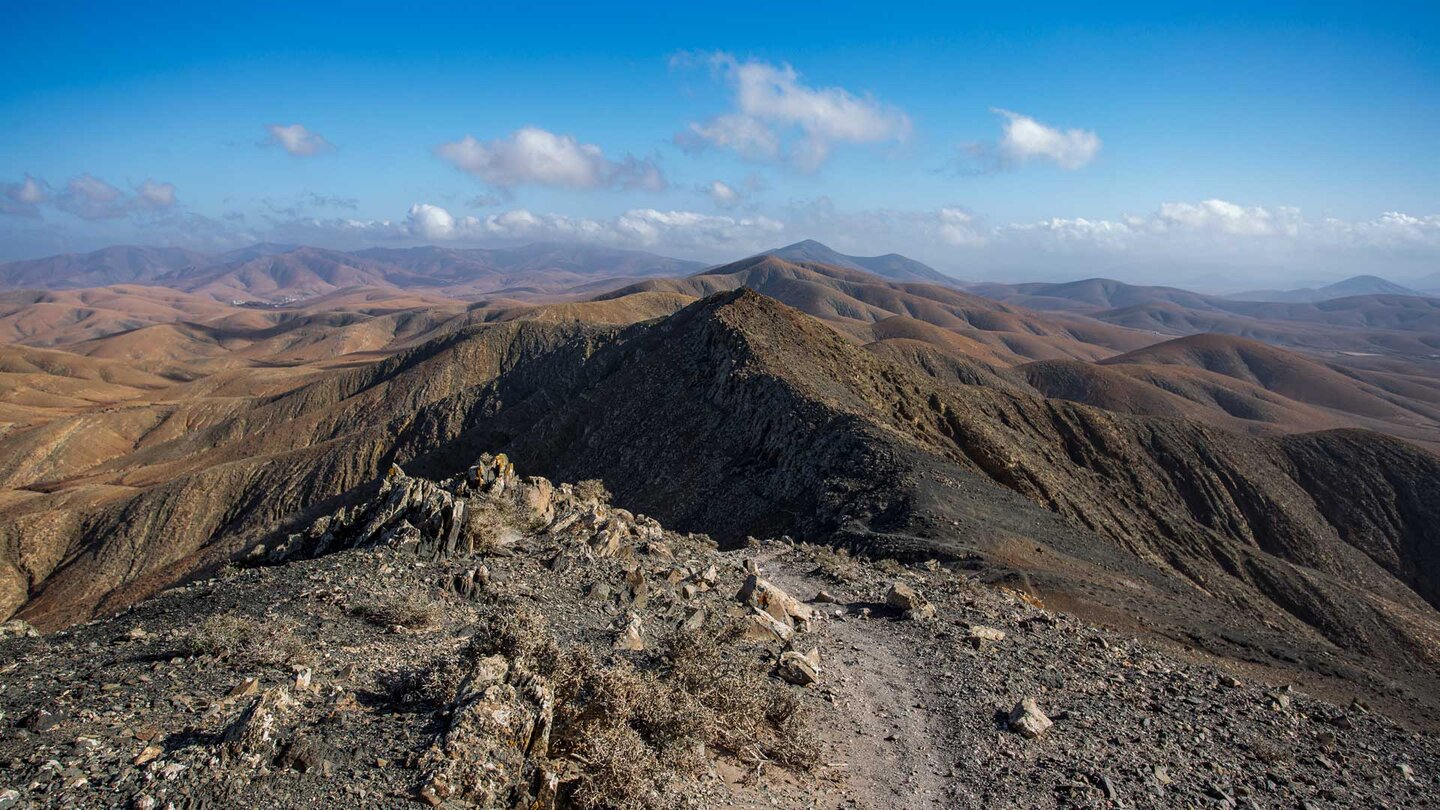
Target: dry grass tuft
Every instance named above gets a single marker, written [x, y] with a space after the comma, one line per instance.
[246, 641]
[412, 610]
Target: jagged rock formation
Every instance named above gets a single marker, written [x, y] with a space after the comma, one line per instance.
[357, 673]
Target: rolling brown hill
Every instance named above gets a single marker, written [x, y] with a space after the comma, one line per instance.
[737, 415]
[1376, 322]
[855, 301]
[122, 264]
[287, 273]
[1284, 372]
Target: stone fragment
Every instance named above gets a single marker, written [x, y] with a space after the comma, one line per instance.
[694, 621]
[254, 733]
[631, 636]
[761, 626]
[147, 754]
[801, 670]
[246, 687]
[909, 602]
[979, 635]
[1027, 720]
[766, 596]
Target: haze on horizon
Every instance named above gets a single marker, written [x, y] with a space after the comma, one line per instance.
[1218, 148]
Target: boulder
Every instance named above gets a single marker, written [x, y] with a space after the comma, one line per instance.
[1027, 720]
[761, 626]
[909, 602]
[766, 596]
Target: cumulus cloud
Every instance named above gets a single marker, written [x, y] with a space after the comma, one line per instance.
[1228, 218]
[155, 196]
[297, 140]
[1023, 140]
[89, 197]
[639, 228]
[722, 194]
[23, 199]
[534, 156]
[776, 116]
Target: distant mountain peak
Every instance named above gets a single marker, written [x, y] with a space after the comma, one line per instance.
[891, 266]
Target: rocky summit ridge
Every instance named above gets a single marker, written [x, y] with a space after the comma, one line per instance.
[1310, 556]
[492, 640]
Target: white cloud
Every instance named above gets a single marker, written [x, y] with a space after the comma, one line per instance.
[1228, 218]
[297, 140]
[431, 222]
[89, 197]
[534, 156]
[640, 228]
[958, 227]
[1023, 139]
[153, 195]
[722, 194]
[23, 199]
[776, 116]
[1027, 139]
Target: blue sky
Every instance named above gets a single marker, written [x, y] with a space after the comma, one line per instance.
[1209, 145]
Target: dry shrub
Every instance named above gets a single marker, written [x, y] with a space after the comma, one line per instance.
[518, 636]
[489, 524]
[412, 610]
[592, 489]
[635, 731]
[247, 641]
[752, 713]
[835, 564]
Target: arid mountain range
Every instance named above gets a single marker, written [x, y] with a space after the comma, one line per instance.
[1256, 481]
